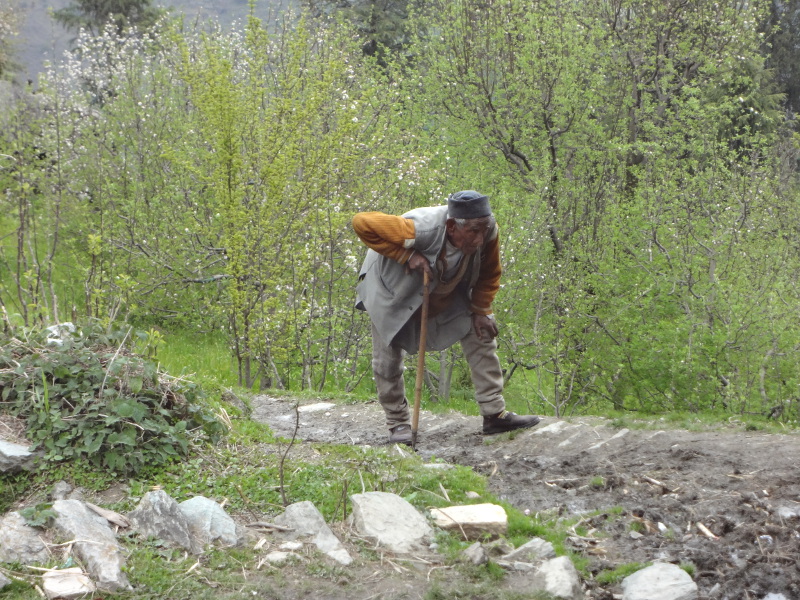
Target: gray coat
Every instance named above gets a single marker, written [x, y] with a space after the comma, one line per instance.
[391, 296]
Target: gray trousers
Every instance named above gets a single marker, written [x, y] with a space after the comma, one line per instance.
[484, 366]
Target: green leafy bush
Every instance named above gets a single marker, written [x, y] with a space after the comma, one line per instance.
[88, 397]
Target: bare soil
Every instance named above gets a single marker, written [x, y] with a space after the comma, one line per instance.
[726, 501]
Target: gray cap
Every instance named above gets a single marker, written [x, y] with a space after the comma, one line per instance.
[468, 204]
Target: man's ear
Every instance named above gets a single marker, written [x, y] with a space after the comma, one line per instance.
[450, 224]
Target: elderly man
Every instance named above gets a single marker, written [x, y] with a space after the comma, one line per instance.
[457, 245]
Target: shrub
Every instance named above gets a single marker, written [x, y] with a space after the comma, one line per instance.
[87, 396]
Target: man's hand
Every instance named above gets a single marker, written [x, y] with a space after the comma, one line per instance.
[418, 263]
[484, 325]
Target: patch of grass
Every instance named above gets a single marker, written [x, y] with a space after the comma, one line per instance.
[636, 526]
[489, 572]
[166, 573]
[479, 591]
[616, 575]
[13, 488]
[322, 569]
[700, 421]
[204, 355]
[17, 589]
[247, 431]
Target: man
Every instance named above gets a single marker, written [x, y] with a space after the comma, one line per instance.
[457, 245]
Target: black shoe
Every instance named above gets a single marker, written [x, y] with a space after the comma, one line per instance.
[400, 434]
[507, 421]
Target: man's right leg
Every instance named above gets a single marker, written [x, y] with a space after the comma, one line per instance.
[387, 367]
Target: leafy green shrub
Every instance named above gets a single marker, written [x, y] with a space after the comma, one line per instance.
[87, 396]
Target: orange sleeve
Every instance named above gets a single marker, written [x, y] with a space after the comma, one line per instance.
[488, 279]
[388, 235]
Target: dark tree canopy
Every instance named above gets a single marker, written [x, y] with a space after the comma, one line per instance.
[783, 47]
[383, 24]
[94, 14]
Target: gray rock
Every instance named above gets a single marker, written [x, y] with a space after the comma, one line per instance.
[499, 547]
[532, 551]
[559, 578]
[61, 491]
[15, 457]
[660, 581]
[475, 554]
[19, 542]
[518, 566]
[94, 543]
[4, 581]
[307, 521]
[208, 521]
[158, 515]
[391, 521]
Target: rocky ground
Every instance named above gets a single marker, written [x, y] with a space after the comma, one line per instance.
[726, 501]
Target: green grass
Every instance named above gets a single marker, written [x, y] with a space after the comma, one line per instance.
[206, 356]
[616, 575]
[700, 421]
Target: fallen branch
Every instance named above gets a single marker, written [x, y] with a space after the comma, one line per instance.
[660, 484]
[110, 515]
[265, 525]
[706, 531]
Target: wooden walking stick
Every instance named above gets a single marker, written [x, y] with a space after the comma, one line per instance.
[423, 334]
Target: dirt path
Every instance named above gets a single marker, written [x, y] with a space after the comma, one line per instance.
[726, 501]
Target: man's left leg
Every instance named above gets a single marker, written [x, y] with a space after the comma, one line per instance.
[487, 378]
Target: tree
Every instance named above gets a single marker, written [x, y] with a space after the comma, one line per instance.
[94, 14]
[782, 46]
[8, 28]
[382, 25]
[632, 271]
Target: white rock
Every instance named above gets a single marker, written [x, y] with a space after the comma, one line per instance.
[67, 584]
[661, 581]
[473, 520]
[277, 558]
[319, 406]
[555, 427]
[620, 434]
[291, 546]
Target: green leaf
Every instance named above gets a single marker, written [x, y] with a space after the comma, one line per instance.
[135, 384]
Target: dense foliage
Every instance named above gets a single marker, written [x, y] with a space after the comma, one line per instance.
[636, 153]
[86, 396]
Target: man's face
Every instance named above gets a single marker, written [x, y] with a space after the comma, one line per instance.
[471, 236]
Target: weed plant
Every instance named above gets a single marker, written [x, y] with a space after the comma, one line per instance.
[87, 397]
